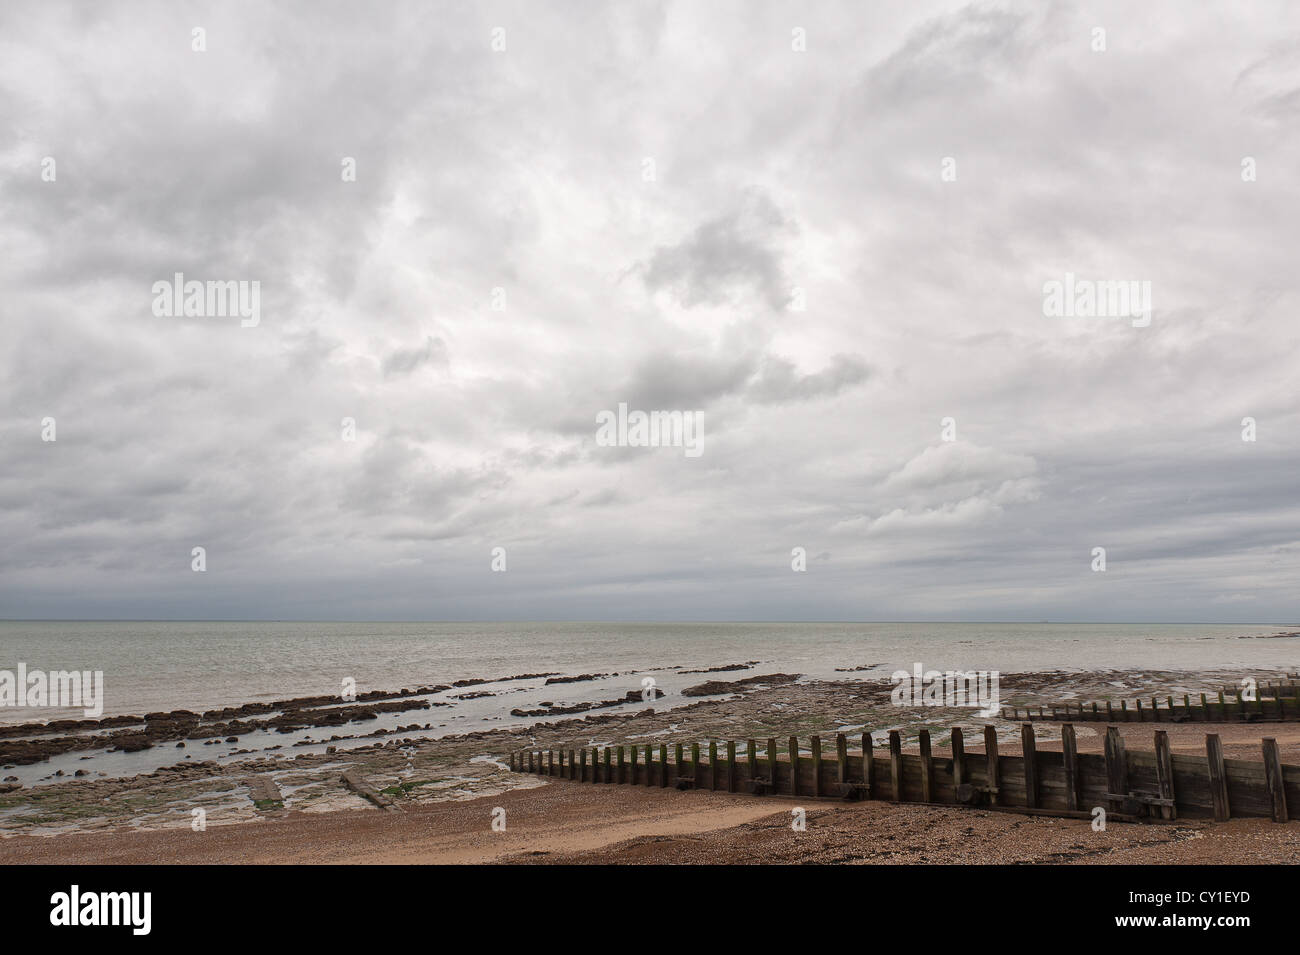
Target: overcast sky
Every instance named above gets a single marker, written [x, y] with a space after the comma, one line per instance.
[791, 264]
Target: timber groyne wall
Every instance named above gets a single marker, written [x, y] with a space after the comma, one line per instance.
[1216, 709]
[1129, 784]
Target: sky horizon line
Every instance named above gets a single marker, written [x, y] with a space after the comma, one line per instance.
[1169, 623]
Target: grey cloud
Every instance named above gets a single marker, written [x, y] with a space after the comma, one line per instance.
[403, 361]
[778, 379]
[521, 170]
[735, 252]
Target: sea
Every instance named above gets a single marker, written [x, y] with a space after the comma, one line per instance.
[152, 666]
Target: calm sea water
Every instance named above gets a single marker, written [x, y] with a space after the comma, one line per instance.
[152, 666]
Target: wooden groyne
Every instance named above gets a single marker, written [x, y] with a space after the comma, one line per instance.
[1217, 709]
[1129, 785]
[1288, 687]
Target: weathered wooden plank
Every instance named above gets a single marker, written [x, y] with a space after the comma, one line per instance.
[817, 765]
[794, 765]
[731, 766]
[1165, 775]
[1116, 763]
[842, 759]
[896, 764]
[868, 766]
[713, 765]
[993, 769]
[958, 758]
[927, 767]
[771, 763]
[1029, 757]
[1273, 779]
[1070, 759]
[663, 767]
[695, 766]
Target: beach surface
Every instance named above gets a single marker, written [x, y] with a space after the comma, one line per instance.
[438, 796]
[574, 823]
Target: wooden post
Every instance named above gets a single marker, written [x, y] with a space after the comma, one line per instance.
[842, 758]
[1031, 765]
[550, 762]
[622, 767]
[695, 766]
[991, 754]
[677, 758]
[771, 763]
[649, 765]
[868, 766]
[1273, 780]
[713, 765]
[958, 757]
[606, 776]
[927, 767]
[817, 765]
[896, 764]
[1165, 774]
[794, 765]
[751, 750]
[731, 766]
[1116, 764]
[663, 765]
[632, 769]
[1069, 754]
[1110, 711]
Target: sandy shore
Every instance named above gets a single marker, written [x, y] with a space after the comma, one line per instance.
[567, 822]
